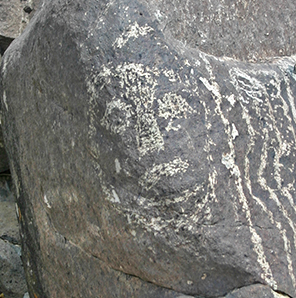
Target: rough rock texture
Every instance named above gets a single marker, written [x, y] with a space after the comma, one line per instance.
[144, 167]
[12, 276]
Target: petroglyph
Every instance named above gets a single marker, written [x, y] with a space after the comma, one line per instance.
[138, 104]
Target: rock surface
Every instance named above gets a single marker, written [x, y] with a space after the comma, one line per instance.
[14, 16]
[144, 167]
[12, 277]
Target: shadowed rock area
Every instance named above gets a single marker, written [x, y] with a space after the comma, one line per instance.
[12, 277]
[145, 167]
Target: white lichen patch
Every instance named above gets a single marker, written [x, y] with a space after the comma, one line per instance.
[172, 168]
[133, 31]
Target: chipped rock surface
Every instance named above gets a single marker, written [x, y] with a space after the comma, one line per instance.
[143, 166]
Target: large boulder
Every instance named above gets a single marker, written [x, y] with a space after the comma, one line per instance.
[145, 167]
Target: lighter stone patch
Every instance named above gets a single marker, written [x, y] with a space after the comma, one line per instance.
[277, 295]
[17, 184]
[231, 100]
[115, 196]
[171, 75]
[170, 127]
[229, 162]
[214, 88]
[247, 86]
[234, 132]
[133, 31]
[117, 166]
[287, 247]
[5, 100]
[291, 99]
[158, 15]
[46, 201]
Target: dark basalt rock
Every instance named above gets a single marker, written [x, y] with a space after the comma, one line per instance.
[144, 167]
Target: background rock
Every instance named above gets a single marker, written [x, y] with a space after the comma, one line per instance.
[4, 162]
[144, 167]
[13, 20]
[9, 229]
[12, 282]
[12, 277]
